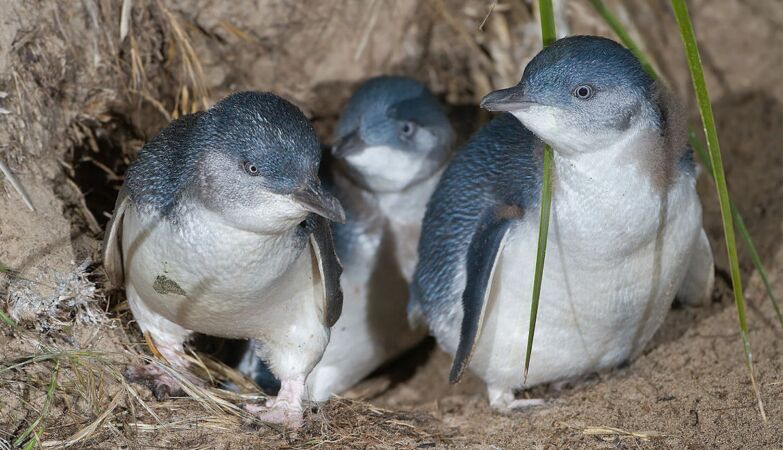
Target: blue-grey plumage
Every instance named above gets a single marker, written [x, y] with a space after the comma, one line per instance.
[393, 135]
[261, 131]
[625, 232]
[391, 145]
[473, 182]
[221, 228]
[474, 190]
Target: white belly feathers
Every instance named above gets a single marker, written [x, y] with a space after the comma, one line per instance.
[186, 272]
[606, 288]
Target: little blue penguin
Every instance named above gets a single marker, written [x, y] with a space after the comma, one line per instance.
[221, 228]
[391, 146]
[625, 235]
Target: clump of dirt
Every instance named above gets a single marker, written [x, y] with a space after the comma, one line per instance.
[88, 83]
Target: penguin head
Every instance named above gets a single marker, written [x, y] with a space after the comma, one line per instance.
[580, 94]
[392, 134]
[259, 164]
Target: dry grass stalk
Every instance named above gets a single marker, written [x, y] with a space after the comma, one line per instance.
[86, 432]
[18, 187]
[612, 431]
[191, 65]
[125, 18]
[208, 367]
[373, 11]
[210, 399]
[90, 376]
[236, 31]
[154, 102]
[464, 34]
[489, 13]
[352, 423]
[89, 217]
[138, 75]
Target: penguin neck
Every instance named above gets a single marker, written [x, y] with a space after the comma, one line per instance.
[615, 196]
[406, 204]
[265, 229]
[411, 202]
[642, 159]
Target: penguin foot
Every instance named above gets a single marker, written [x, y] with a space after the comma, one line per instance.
[286, 415]
[159, 381]
[561, 385]
[503, 400]
[286, 408]
[156, 379]
[524, 403]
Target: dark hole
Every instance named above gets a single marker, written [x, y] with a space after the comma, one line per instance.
[100, 160]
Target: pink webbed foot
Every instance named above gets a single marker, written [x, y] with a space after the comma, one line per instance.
[286, 408]
[159, 381]
[291, 418]
[156, 379]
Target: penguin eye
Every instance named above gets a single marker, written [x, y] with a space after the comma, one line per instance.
[584, 92]
[250, 168]
[407, 129]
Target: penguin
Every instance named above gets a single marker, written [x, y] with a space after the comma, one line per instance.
[391, 145]
[625, 232]
[222, 228]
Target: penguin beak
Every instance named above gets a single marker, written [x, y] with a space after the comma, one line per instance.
[510, 99]
[315, 199]
[348, 145]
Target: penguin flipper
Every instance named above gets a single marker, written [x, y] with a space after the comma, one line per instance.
[700, 276]
[329, 267]
[112, 242]
[483, 254]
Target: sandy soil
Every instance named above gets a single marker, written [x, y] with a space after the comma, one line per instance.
[76, 95]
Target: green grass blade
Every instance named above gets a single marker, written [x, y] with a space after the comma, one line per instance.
[33, 442]
[548, 36]
[697, 146]
[543, 230]
[547, 18]
[48, 355]
[7, 319]
[713, 148]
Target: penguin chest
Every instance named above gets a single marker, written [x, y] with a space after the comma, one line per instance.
[215, 279]
[404, 213]
[606, 289]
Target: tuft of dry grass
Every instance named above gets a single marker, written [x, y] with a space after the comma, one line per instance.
[187, 101]
[89, 388]
[344, 423]
[192, 94]
[604, 431]
[57, 373]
